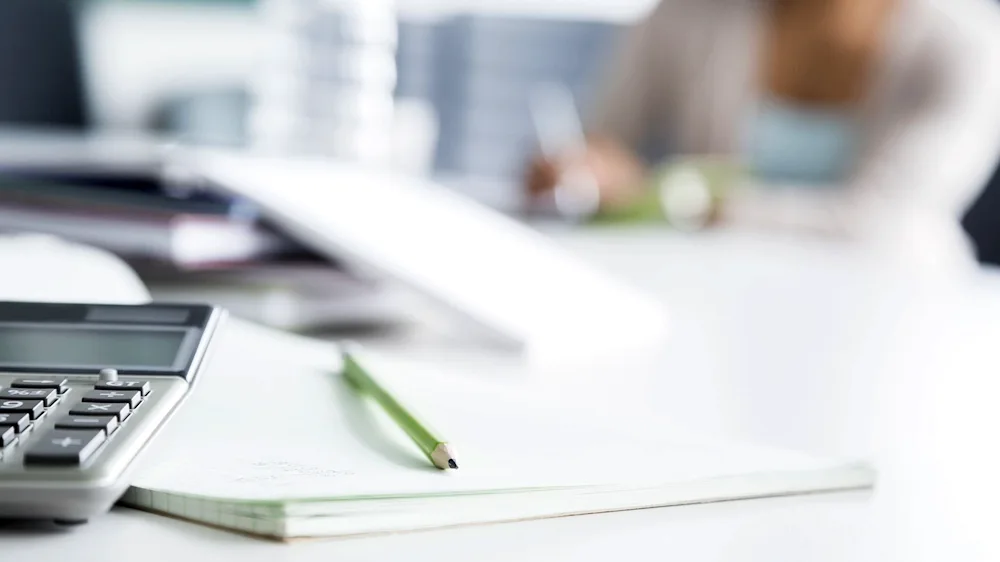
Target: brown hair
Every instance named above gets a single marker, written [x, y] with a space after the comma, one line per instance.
[824, 52]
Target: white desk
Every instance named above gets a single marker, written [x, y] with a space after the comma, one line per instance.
[770, 343]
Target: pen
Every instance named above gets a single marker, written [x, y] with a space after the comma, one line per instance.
[437, 449]
[560, 133]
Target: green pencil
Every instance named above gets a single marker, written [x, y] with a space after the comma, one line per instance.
[436, 449]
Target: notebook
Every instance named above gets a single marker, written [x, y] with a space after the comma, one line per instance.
[274, 443]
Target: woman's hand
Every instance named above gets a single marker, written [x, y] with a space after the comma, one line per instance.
[615, 172]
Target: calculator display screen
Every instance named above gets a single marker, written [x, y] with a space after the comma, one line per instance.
[89, 346]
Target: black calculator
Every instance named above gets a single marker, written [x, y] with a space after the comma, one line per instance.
[84, 388]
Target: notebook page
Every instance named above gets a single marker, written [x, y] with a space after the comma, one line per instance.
[269, 423]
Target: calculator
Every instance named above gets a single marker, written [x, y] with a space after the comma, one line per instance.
[84, 388]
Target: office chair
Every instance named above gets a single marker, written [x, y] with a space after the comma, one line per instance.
[982, 221]
[41, 81]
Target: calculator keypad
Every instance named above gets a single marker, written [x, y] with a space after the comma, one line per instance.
[79, 429]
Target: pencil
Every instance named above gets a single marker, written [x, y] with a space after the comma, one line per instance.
[437, 450]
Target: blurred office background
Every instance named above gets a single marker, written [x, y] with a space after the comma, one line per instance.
[448, 83]
[441, 88]
[271, 73]
[437, 88]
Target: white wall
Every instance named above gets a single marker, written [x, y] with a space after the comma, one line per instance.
[136, 52]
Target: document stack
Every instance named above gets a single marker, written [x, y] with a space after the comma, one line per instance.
[327, 78]
[118, 193]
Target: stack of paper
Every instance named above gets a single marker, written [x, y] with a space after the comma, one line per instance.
[506, 283]
[140, 224]
[274, 442]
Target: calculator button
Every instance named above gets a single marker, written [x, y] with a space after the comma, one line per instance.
[58, 384]
[47, 395]
[120, 410]
[18, 421]
[141, 386]
[34, 408]
[130, 397]
[64, 447]
[107, 423]
[7, 435]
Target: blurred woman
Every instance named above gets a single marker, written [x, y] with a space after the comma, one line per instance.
[882, 116]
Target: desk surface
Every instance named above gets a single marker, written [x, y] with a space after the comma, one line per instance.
[794, 345]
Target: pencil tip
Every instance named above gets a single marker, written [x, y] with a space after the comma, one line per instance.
[452, 463]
